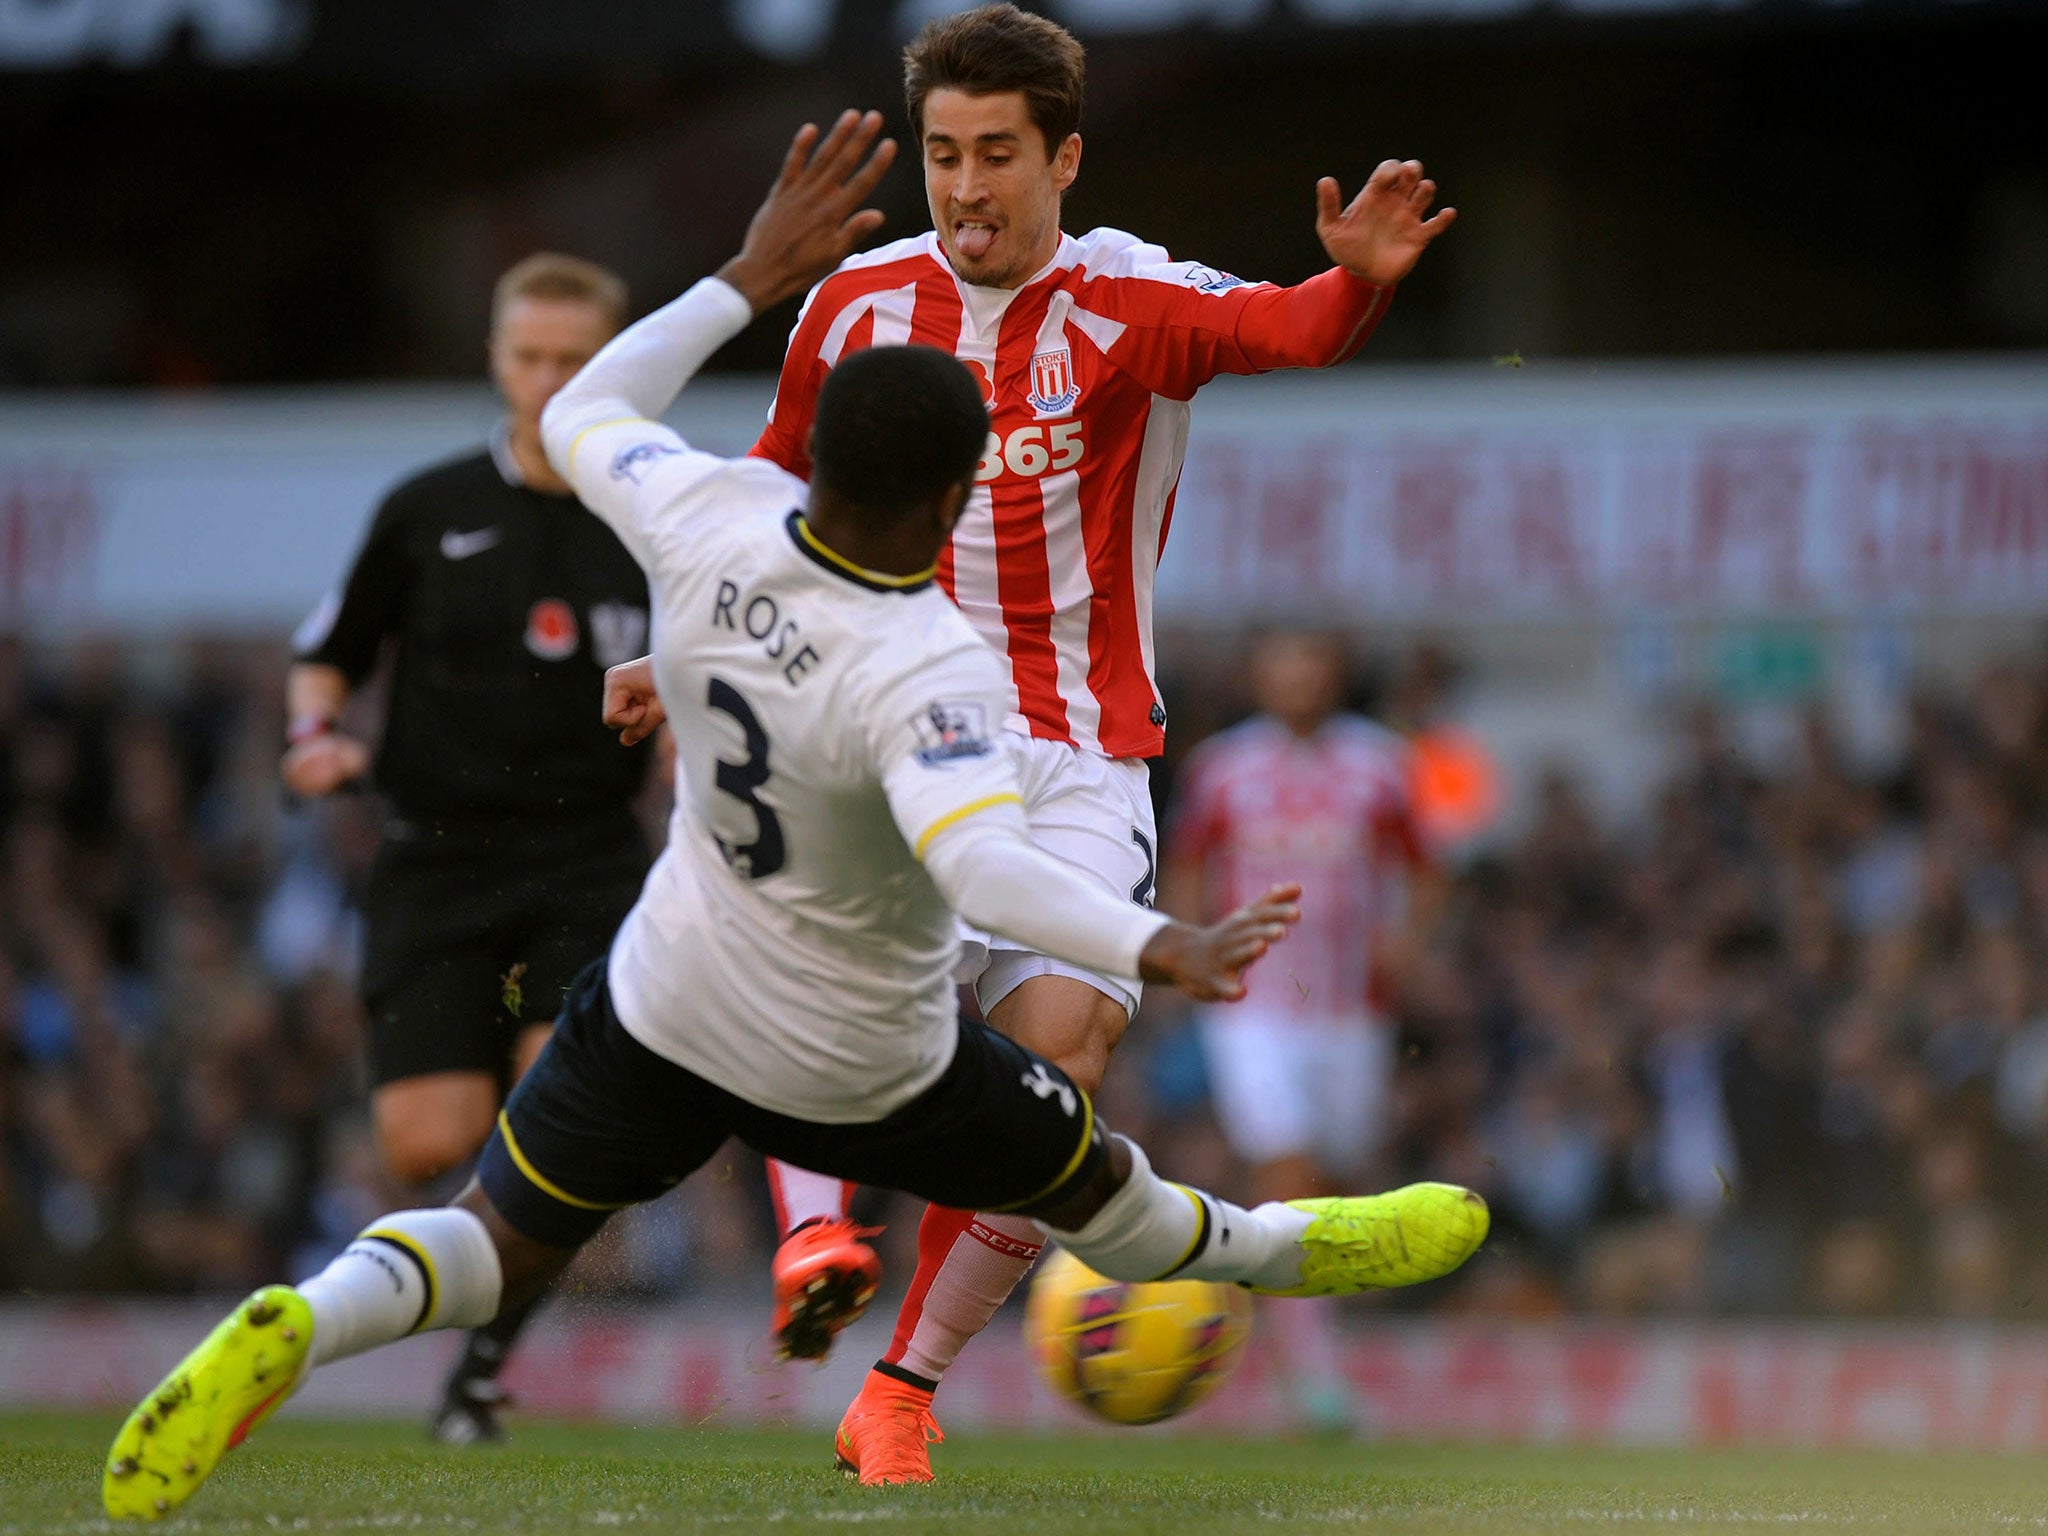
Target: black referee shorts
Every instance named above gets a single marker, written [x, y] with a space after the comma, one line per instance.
[601, 1123]
[475, 931]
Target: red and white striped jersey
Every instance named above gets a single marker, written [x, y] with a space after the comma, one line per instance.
[1088, 368]
[1257, 806]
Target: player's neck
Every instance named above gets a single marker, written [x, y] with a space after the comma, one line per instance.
[898, 551]
[1039, 259]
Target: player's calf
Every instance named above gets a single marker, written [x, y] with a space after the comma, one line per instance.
[428, 1124]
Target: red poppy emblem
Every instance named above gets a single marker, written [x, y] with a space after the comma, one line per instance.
[988, 390]
[551, 632]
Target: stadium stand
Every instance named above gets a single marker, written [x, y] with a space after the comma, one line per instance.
[1780, 1048]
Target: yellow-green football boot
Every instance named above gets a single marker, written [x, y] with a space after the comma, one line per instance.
[206, 1407]
[1376, 1242]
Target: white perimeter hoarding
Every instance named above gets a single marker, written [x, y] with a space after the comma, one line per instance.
[1438, 495]
[1919, 1386]
[1797, 490]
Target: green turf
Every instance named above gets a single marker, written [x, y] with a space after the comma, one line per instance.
[312, 1476]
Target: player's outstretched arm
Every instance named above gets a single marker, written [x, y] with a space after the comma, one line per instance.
[990, 872]
[1193, 325]
[1384, 231]
[953, 790]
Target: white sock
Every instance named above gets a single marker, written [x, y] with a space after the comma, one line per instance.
[1153, 1230]
[409, 1272]
[802, 1196]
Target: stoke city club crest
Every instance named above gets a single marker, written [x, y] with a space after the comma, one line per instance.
[1053, 389]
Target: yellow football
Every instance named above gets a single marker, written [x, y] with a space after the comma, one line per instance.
[1132, 1353]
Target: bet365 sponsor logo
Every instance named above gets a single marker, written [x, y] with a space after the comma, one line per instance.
[1043, 448]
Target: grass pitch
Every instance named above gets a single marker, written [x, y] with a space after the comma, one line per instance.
[314, 1476]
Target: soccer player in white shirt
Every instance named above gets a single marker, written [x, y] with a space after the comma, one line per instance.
[843, 789]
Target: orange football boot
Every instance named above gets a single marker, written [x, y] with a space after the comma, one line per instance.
[886, 1432]
[825, 1276]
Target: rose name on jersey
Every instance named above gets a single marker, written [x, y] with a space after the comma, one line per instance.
[762, 617]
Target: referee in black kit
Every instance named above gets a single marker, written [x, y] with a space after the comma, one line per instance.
[510, 849]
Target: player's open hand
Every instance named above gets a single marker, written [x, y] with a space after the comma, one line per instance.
[631, 706]
[812, 218]
[322, 764]
[1384, 232]
[1209, 963]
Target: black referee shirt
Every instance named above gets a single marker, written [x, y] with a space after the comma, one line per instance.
[505, 604]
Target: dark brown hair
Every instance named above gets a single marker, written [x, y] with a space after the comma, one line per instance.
[550, 275]
[996, 48]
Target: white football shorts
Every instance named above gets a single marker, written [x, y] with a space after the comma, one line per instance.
[1089, 811]
[1288, 1086]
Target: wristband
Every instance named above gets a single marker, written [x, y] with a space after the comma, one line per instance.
[306, 727]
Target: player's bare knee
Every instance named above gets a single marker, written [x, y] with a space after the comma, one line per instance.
[416, 1154]
[428, 1125]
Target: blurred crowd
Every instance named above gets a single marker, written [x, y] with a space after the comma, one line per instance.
[1780, 1048]
[1777, 1046]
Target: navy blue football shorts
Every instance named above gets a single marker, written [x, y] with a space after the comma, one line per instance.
[600, 1122]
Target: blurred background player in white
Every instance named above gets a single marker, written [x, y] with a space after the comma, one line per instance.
[1089, 350]
[511, 848]
[1300, 1072]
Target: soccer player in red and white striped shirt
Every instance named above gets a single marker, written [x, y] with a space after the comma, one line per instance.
[1091, 348]
[1300, 1069]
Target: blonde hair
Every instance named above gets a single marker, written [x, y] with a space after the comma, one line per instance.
[551, 275]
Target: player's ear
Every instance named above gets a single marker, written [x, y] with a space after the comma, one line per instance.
[1066, 162]
[952, 504]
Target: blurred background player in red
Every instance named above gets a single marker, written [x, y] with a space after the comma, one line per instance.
[1300, 1071]
[511, 849]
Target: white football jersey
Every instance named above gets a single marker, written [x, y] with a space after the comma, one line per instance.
[829, 722]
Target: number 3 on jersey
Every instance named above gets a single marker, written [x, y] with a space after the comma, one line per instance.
[1031, 451]
[764, 855]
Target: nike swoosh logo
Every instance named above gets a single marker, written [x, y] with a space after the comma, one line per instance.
[460, 546]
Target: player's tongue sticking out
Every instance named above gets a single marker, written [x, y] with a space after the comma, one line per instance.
[973, 238]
